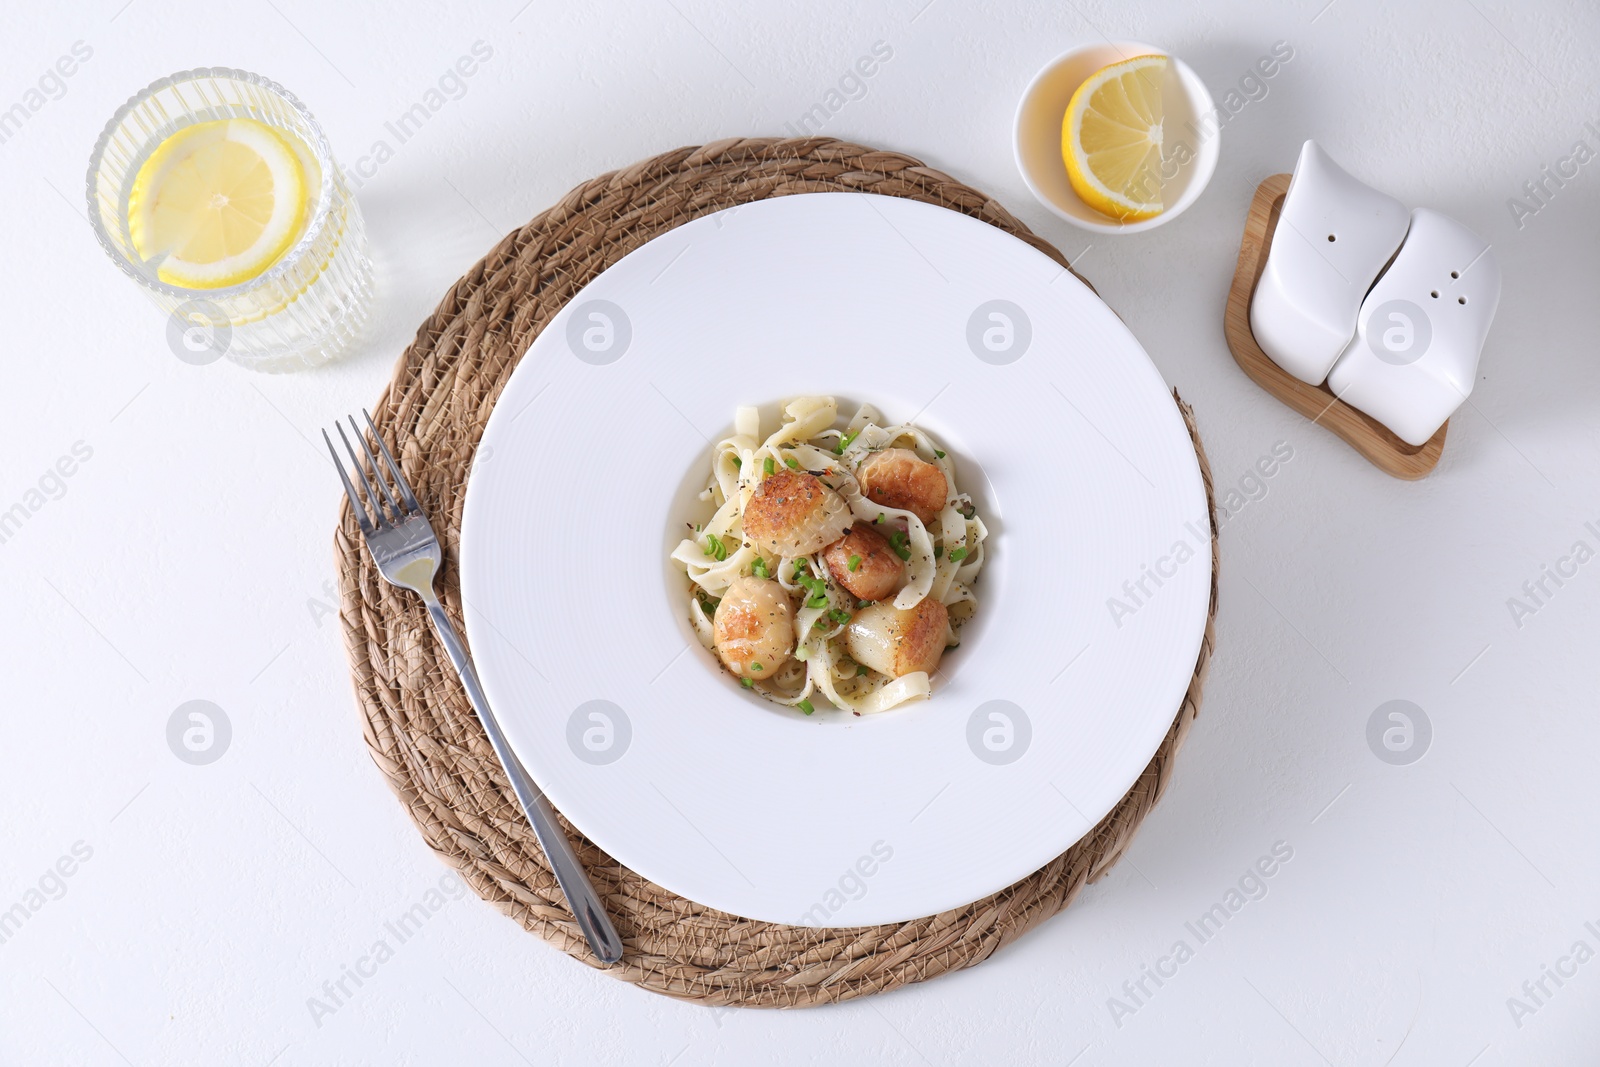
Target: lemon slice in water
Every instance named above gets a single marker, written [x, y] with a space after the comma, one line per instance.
[217, 203]
[1111, 138]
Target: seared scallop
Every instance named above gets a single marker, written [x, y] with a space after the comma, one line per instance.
[863, 563]
[900, 478]
[752, 631]
[898, 641]
[791, 513]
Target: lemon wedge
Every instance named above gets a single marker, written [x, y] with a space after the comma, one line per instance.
[1111, 138]
[217, 203]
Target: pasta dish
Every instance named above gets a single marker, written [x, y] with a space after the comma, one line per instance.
[838, 562]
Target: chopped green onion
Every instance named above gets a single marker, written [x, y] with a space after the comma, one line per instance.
[880, 517]
[957, 554]
[755, 666]
[715, 548]
[747, 683]
[938, 550]
[792, 463]
[855, 563]
[861, 604]
[846, 441]
[760, 568]
[802, 653]
[839, 615]
[818, 601]
[938, 453]
[898, 542]
[805, 706]
[738, 464]
[801, 566]
[709, 605]
[820, 624]
[766, 466]
[861, 672]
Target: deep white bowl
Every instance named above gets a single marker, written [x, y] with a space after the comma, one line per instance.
[1037, 139]
[1078, 460]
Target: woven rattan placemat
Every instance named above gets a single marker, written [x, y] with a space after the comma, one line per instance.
[423, 734]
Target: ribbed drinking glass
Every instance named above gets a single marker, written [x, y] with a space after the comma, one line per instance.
[304, 307]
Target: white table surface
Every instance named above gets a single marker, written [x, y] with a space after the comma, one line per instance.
[189, 558]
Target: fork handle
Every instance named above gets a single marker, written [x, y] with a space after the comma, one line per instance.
[580, 893]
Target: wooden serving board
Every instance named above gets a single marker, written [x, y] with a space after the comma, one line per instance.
[1318, 403]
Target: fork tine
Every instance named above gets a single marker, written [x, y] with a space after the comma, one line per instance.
[372, 495]
[377, 474]
[400, 479]
[349, 490]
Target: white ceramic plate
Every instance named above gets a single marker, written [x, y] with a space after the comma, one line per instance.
[1041, 721]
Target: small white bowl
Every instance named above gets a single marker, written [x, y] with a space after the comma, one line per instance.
[1189, 118]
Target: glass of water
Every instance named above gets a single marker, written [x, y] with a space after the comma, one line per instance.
[302, 291]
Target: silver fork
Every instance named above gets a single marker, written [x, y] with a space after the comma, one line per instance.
[407, 553]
